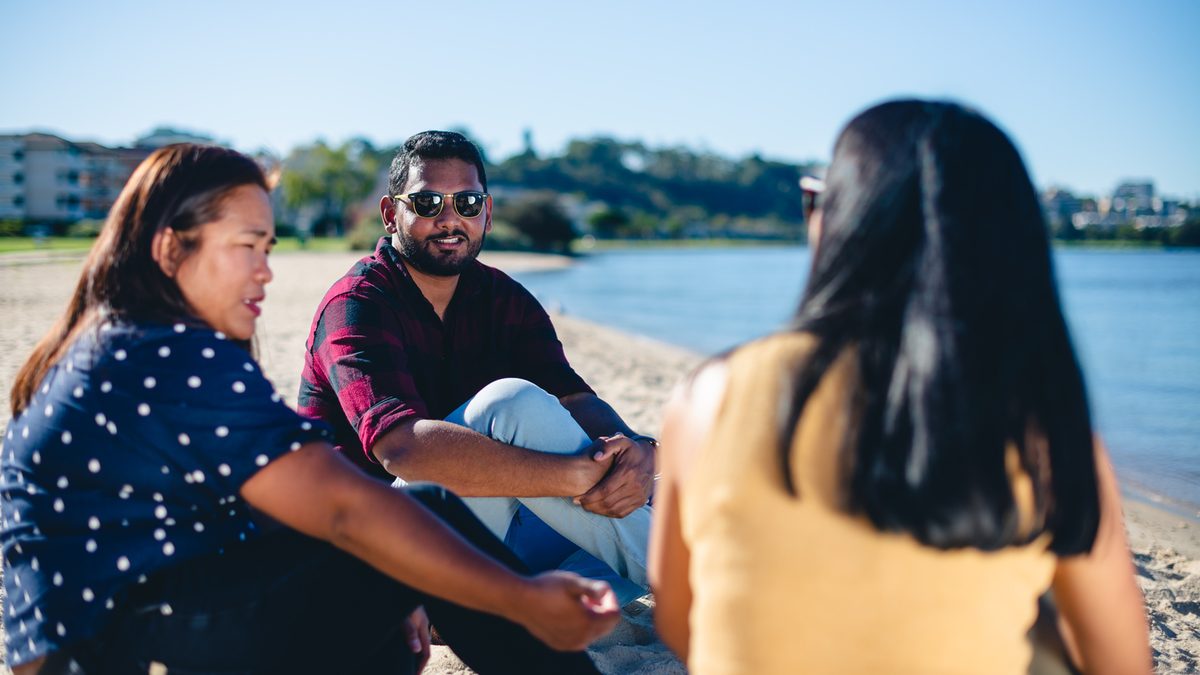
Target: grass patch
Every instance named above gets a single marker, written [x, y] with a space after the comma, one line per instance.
[21, 244]
[82, 244]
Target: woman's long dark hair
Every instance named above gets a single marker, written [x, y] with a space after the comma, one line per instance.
[178, 187]
[933, 265]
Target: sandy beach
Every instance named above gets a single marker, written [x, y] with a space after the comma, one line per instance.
[636, 375]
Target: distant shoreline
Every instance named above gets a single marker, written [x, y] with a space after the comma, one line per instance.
[14, 249]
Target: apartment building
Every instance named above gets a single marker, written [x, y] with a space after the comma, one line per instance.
[106, 171]
[40, 178]
[47, 178]
[12, 178]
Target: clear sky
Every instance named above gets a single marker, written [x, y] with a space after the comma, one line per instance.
[1093, 91]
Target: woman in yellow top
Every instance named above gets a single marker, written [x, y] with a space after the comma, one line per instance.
[891, 484]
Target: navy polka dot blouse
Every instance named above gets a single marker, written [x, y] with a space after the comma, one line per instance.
[129, 459]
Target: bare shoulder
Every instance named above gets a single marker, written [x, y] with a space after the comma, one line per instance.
[703, 391]
[689, 416]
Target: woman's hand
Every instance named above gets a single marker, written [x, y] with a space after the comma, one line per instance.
[416, 634]
[567, 611]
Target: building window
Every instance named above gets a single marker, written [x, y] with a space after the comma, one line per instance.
[19, 200]
[18, 155]
[18, 178]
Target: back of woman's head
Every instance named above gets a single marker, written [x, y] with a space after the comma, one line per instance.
[933, 264]
[174, 191]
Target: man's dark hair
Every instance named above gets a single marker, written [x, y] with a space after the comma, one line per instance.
[429, 145]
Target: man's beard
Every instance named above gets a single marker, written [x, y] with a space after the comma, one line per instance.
[435, 263]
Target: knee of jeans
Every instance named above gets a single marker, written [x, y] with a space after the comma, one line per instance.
[504, 402]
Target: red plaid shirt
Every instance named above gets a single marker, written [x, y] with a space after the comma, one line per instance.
[378, 354]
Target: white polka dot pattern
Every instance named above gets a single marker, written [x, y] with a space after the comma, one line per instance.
[142, 459]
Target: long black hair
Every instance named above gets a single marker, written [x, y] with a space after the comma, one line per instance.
[933, 265]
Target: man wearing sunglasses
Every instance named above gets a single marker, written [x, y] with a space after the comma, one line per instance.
[431, 366]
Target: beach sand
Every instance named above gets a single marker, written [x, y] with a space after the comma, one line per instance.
[632, 373]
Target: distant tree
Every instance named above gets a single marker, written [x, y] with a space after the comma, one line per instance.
[1065, 230]
[1187, 234]
[643, 226]
[542, 220]
[328, 181]
[671, 191]
[10, 227]
[608, 223]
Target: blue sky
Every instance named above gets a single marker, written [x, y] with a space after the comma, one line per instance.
[1092, 92]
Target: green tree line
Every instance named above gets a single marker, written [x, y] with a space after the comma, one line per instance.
[621, 189]
[601, 186]
[628, 189]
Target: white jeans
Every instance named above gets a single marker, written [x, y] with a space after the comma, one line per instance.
[517, 412]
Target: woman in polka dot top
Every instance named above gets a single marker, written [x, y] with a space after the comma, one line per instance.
[164, 511]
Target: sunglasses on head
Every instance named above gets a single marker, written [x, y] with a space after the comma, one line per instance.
[811, 189]
[428, 204]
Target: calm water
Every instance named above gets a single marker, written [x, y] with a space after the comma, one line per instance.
[1134, 315]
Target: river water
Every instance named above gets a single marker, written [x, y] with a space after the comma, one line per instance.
[1134, 317]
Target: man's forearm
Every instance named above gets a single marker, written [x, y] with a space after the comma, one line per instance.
[474, 465]
[596, 417]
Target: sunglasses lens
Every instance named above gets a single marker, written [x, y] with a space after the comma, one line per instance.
[469, 204]
[426, 204]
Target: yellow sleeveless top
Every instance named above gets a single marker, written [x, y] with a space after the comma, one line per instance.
[787, 585]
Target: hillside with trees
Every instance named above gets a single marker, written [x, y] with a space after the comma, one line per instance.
[600, 186]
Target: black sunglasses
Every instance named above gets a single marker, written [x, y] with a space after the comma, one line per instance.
[428, 204]
[810, 190]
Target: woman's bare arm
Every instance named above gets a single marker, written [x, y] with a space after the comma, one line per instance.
[687, 422]
[316, 491]
[1097, 594]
